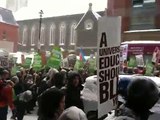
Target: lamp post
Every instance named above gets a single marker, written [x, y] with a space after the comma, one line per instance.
[40, 22]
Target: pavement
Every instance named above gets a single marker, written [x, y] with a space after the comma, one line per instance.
[32, 116]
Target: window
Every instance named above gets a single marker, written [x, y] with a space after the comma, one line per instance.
[73, 34]
[88, 24]
[52, 35]
[33, 36]
[62, 34]
[42, 37]
[138, 2]
[25, 35]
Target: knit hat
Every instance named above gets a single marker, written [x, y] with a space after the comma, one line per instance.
[73, 113]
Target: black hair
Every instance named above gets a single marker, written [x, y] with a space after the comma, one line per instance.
[49, 102]
[71, 76]
[58, 80]
[142, 94]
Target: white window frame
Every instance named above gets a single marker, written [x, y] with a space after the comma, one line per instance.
[42, 37]
[24, 37]
[62, 37]
[52, 35]
[33, 36]
[73, 35]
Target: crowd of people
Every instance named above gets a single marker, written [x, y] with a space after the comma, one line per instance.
[54, 90]
[58, 95]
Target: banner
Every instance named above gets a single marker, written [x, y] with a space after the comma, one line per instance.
[37, 62]
[55, 58]
[123, 52]
[139, 60]
[109, 38]
[4, 62]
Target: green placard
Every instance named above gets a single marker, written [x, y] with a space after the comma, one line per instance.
[55, 58]
[37, 63]
[149, 68]
[132, 62]
[14, 70]
[78, 65]
[28, 62]
[92, 65]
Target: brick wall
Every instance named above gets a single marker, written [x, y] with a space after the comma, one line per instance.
[10, 33]
[157, 18]
[120, 8]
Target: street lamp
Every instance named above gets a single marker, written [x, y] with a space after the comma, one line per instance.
[40, 22]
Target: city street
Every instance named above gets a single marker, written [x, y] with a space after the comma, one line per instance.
[32, 116]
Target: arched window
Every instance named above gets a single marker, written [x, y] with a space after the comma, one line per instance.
[33, 33]
[25, 36]
[62, 34]
[73, 35]
[42, 37]
[52, 35]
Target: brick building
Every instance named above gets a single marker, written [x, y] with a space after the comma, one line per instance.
[8, 31]
[140, 15]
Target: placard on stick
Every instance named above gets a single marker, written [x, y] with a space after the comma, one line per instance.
[109, 38]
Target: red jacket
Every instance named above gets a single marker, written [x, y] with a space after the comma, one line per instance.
[8, 96]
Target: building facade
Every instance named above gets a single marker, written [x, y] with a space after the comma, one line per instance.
[8, 31]
[70, 32]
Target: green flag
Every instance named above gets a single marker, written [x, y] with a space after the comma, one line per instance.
[37, 63]
[55, 58]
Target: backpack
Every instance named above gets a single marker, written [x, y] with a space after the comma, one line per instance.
[2, 94]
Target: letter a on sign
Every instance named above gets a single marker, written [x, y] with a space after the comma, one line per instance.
[109, 35]
[103, 42]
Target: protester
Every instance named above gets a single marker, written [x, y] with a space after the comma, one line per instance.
[58, 80]
[51, 104]
[21, 103]
[73, 113]
[73, 90]
[6, 95]
[142, 94]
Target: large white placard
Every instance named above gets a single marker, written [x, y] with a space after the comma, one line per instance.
[109, 38]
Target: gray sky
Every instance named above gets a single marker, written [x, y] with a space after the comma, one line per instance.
[57, 8]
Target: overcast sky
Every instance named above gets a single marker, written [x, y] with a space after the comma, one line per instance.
[57, 7]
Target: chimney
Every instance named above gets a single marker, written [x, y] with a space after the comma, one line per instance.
[90, 7]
